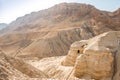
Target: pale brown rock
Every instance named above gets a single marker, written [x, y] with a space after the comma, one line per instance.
[75, 50]
[16, 69]
[97, 59]
[96, 64]
[117, 66]
[7, 71]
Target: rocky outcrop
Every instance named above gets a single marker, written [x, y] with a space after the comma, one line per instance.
[75, 50]
[97, 65]
[16, 69]
[7, 71]
[96, 58]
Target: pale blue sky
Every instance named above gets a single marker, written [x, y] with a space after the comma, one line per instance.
[11, 9]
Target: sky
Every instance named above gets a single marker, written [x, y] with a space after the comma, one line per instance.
[12, 9]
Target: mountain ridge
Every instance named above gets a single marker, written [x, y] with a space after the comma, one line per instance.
[63, 6]
[56, 28]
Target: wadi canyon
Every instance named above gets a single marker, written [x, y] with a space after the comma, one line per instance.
[69, 41]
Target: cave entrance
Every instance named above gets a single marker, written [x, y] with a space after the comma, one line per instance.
[78, 51]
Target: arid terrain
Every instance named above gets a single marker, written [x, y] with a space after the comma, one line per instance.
[69, 41]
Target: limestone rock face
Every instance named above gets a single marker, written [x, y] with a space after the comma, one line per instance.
[96, 58]
[97, 65]
[75, 50]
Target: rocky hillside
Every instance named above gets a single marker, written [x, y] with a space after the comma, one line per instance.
[50, 32]
[12, 68]
[94, 59]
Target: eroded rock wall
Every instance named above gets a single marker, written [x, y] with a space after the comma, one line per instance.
[98, 58]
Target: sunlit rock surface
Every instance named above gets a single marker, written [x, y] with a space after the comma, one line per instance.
[96, 58]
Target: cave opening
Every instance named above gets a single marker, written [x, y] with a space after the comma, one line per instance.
[78, 51]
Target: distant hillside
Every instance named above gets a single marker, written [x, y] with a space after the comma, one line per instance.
[50, 32]
[2, 25]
